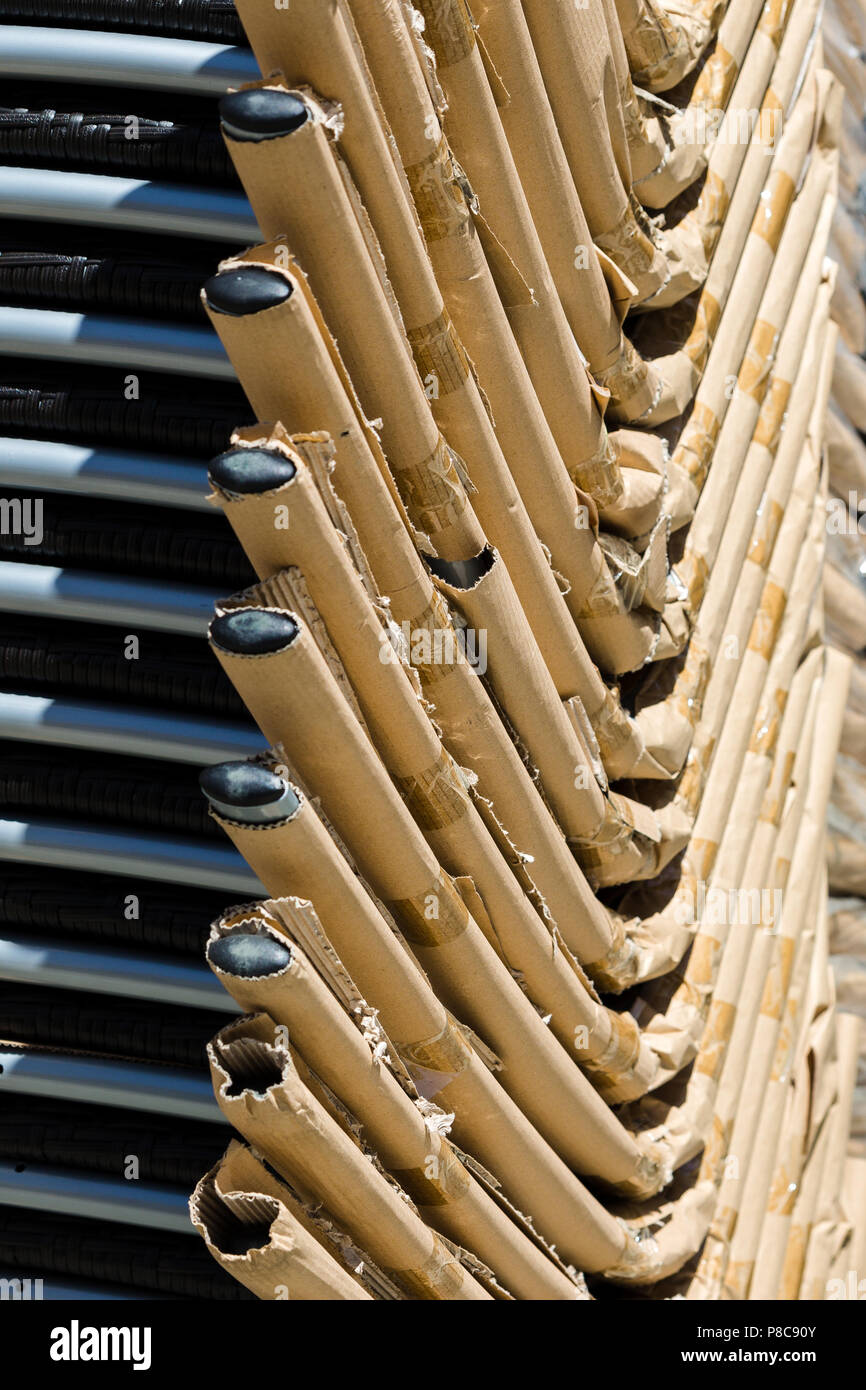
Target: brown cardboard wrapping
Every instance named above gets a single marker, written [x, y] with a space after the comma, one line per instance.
[757, 406]
[744, 280]
[312, 397]
[295, 186]
[298, 857]
[540, 720]
[830, 1226]
[811, 1081]
[261, 1093]
[664, 42]
[740, 1097]
[432, 786]
[777, 1128]
[449, 1198]
[573, 49]
[772, 456]
[557, 212]
[673, 1012]
[298, 705]
[475, 132]
[285, 1260]
[448, 210]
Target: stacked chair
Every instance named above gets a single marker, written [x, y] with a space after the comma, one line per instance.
[419, 723]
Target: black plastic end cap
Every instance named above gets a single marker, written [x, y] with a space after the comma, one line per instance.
[253, 631]
[262, 113]
[246, 290]
[249, 955]
[241, 784]
[251, 470]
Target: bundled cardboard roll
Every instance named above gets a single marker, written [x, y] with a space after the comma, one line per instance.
[273, 662]
[573, 49]
[312, 397]
[293, 854]
[432, 786]
[257, 1238]
[594, 309]
[264, 973]
[261, 1093]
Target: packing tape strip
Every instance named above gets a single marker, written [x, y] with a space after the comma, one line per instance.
[766, 530]
[441, 1277]
[717, 1032]
[441, 1181]
[768, 620]
[433, 918]
[448, 28]
[754, 374]
[773, 208]
[700, 340]
[768, 723]
[433, 1063]
[439, 194]
[434, 490]
[436, 797]
[439, 354]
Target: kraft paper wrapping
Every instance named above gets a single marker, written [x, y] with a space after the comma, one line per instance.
[663, 42]
[779, 1117]
[557, 212]
[741, 1092]
[573, 50]
[448, 210]
[736, 167]
[313, 396]
[673, 1011]
[772, 456]
[540, 720]
[475, 133]
[738, 173]
[718, 75]
[729, 309]
[298, 705]
[432, 786]
[716, 97]
[770, 562]
[421, 1159]
[284, 1260]
[260, 1092]
[298, 857]
[830, 1227]
[296, 189]
[788, 310]
[807, 1109]
[762, 685]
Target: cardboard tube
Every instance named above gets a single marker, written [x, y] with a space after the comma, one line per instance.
[829, 1223]
[429, 781]
[295, 187]
[737, 168]
[448, 1197]
[447, 210]
[274, 664]
[772, 455]
[314, 396]
[295, 855]
[777, 1118]
[258, 1241]
[664, 46]
[573, 52]
[557, 212]
[778, 341]
[261, 1093]
[751, 1088]
[478, 140]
